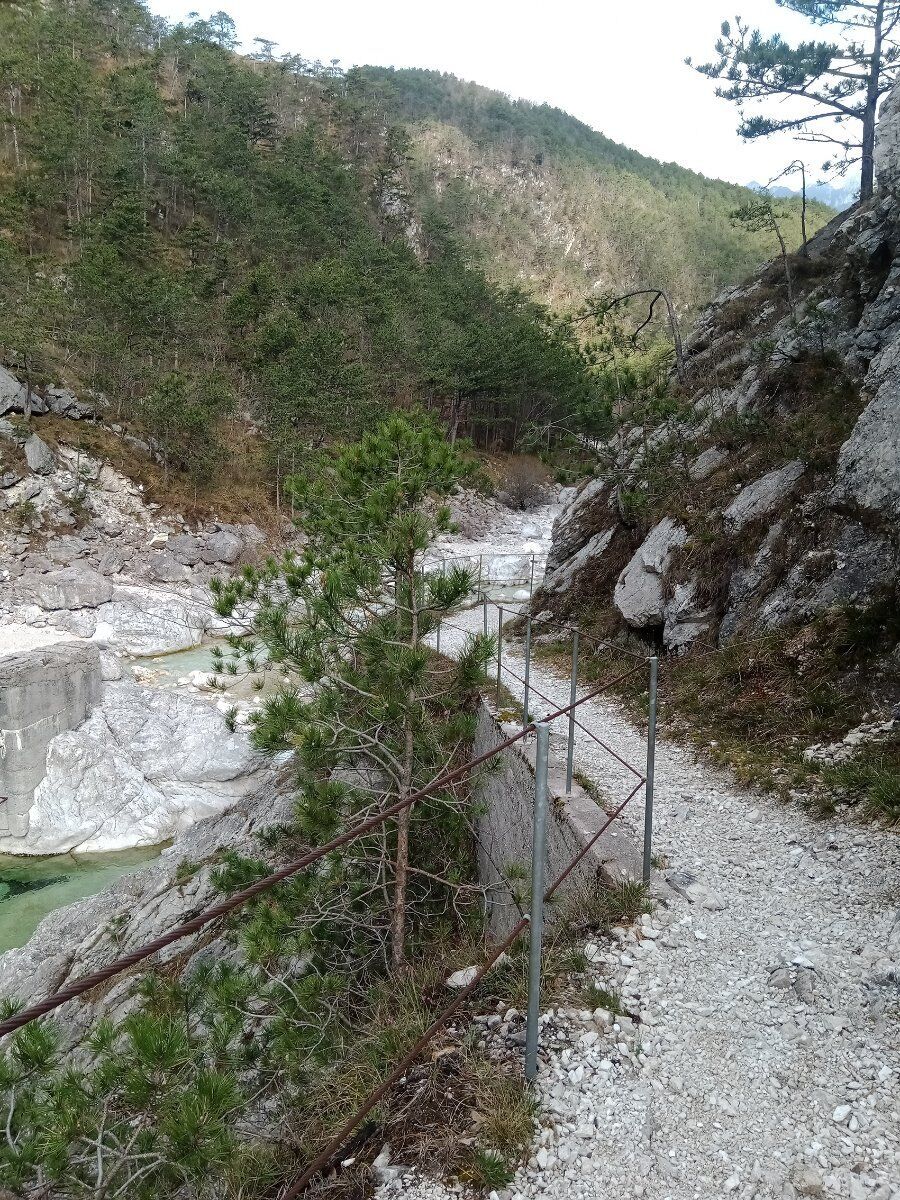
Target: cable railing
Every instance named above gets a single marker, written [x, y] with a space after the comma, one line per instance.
[533, 921]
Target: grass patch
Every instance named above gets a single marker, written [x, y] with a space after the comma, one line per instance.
[873, 778]
[595, 995]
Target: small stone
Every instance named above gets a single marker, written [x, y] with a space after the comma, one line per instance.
[462, 978]
[841, 1113]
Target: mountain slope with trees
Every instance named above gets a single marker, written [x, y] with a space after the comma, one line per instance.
[219, 243]
[559, 208]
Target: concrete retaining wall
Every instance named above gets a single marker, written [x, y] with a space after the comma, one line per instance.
[43, 692]
[504, 790]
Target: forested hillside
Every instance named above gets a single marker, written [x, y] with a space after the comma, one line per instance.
[559, 208]
[205, 238]
[196, 235]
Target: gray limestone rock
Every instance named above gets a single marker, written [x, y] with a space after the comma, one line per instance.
[145, 766]
[12, 393]
[185, 548]
[560, 580]
[707, 463]
[147, 621]
[762, 497]
[220, 547]
[640, 590]
[589, 512]
[76, 586]
[869, 462]
[685, 618]
[64, 403]
[39, 456]
[43, 691]
[164, 567]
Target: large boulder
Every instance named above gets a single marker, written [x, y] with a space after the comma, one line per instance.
[640, 594]
[144, 621]
[762, 497]
[64, 403]
[39, 456]
[12, 393]
[145, 766]
[185, 548]
[221, 547]
[76, 586]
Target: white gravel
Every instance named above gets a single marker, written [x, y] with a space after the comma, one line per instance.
[764, 1057]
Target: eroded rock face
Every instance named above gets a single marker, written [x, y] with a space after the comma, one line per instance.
[686, 617]
[145, 766]
[887, 147]
[586, 514]
[564, 576]
[47, 685]
[869, 463]
[640, 591]
[769, 393]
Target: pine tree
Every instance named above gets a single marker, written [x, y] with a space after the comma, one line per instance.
[369, 713]
[838, 83]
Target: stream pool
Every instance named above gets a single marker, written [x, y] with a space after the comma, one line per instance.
[32, 887]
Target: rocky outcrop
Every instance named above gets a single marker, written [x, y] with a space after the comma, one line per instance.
[869, 464]
[778, 480]
[762, 497]
[143, 621]
[47, 685]
[78, 586]
[641, 589]
[144, 766]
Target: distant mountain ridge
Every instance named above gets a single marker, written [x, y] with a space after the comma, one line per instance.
[836, 196]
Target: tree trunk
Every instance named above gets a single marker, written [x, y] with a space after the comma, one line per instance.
[401, 864]
[867, 181]
[803, 249]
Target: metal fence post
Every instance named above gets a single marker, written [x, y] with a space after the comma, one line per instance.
[531, 579]
[499, 654]
[573, 695]
[484, 601]
[478, 585]
[651, 768]
[527, 670]
[536, 930]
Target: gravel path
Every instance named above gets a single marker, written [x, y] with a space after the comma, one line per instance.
[761, 1056]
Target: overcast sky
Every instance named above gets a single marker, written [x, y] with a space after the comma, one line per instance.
[615, 64]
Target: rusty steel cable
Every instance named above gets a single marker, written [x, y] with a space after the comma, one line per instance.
[85, 984]
[325, 1156]
[584, 729]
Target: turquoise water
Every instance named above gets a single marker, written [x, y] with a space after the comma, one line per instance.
[32, 887]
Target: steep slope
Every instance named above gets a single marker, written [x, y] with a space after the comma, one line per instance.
[201, 237]
[561, 209]
[762, 515]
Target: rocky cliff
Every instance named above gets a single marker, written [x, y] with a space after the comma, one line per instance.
[767, 501]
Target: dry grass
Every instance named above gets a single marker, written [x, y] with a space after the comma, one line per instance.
[243, 492]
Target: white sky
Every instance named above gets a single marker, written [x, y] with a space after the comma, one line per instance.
[615, 64]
